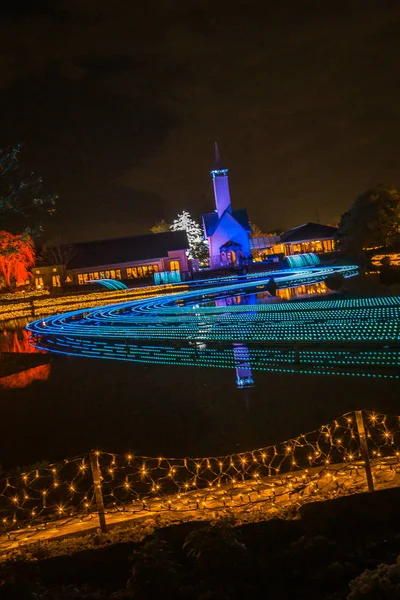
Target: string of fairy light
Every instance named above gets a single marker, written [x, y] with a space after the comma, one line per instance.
[47, 306]
[323, 463]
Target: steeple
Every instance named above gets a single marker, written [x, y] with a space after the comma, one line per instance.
[218, 162]
[218, 169]
[221, 185]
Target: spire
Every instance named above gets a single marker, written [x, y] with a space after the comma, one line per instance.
[218, 170]
[218, 162]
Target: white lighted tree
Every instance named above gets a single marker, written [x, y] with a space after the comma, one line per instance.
[198, 247]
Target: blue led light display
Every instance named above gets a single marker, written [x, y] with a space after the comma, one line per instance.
[357, 337]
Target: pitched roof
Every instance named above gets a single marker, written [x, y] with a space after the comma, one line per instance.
[211, 220]
[122, 250]
[308, 231]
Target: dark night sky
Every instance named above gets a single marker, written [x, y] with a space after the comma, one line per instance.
[119, 103]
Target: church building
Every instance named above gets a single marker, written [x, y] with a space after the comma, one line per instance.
[226, 230]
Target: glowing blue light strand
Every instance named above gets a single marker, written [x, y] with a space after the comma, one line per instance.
[184, 318]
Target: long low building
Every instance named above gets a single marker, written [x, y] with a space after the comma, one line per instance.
[135, 257]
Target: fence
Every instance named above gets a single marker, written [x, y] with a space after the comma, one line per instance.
[354, 452]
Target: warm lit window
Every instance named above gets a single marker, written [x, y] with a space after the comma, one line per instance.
[56, 281]
[131, 273]
[118, 273]
[39, 282]
[174, 265]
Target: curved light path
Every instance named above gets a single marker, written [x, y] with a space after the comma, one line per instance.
[181, 329]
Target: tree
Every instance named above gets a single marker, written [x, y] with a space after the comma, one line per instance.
[160, 227]
[372, 221]
[256, 232]
[198, 247]
[17, 255]
[59, 253]
[22, 204]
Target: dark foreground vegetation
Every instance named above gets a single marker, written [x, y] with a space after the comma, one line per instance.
[330, 550]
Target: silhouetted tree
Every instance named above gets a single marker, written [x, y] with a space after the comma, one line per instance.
[372, 221]
[58, 253]
[22, 203]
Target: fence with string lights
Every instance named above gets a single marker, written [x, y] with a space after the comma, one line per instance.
[359, 451]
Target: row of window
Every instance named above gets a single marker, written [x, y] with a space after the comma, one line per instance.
[143, 271]
[112, 274]
[131, 273]
[313, 246]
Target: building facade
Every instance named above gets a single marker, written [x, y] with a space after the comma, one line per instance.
[308, 238]
[131, 258]
[226, 230]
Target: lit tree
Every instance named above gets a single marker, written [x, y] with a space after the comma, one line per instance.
[160, 227]
[372, 220]
[17, 255]
[22, 204]
[198, 247]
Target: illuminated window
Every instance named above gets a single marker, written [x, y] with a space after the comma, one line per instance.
[56, 281]
[118, 273]
[39, 281]
[141, 271]
[37, 272]
[174, 265]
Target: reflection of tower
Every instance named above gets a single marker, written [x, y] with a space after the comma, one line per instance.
[244, 374]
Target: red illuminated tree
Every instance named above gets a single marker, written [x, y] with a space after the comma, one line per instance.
[17, 256]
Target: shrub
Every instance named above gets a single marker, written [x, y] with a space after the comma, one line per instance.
[382, 583]
[217, 552]
[155, 573]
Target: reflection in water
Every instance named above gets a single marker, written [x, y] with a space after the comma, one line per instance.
[265, 297]
[16, 340]
[302, 290]
[244, 374]
[21, 380]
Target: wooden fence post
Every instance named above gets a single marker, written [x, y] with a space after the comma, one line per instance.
[98, 494]
[364, 449]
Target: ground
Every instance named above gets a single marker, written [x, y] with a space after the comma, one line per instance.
[314, 555]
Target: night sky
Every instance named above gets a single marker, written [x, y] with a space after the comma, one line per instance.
[119, 103]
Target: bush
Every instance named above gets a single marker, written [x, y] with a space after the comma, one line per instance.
[381, 584]
[217, 552]
[155, 573]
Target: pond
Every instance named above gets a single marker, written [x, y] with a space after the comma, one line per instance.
[175, 408]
